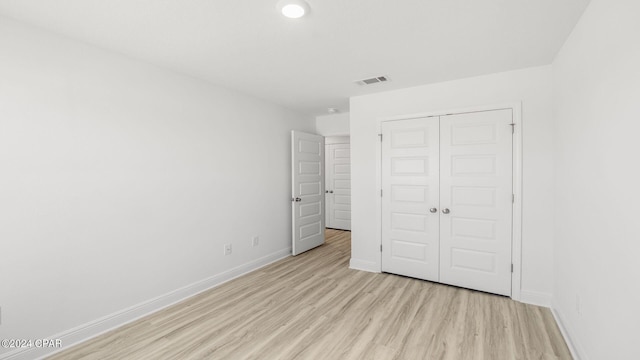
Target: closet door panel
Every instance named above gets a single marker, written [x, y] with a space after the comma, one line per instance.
[476, 200]
[410, 230]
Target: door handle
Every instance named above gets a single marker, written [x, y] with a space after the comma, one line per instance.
[330, 191]
[445, 211]
[296, 199]
[433, 210]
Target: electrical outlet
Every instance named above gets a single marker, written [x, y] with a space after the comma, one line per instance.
[255, 241]
[227, 249]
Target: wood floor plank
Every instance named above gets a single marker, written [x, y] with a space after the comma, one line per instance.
[313, 306]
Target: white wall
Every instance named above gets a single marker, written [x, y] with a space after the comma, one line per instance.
[121, 181]
[530, 86]
[333, 125]
[597, 110]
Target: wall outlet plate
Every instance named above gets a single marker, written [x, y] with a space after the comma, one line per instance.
[255, 241]
[227, 249]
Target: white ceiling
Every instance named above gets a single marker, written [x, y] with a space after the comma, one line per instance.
[311, 64]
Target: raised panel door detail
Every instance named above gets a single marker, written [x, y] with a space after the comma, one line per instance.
[403, 251]
[313, 209]
[473, 228]
[407, 138]
[408, 222]
[410, 166]
[342, 185]
[472, 260]
[473, 196]
[342, 169]
[342, 200]
[309, 231]
[470, 165]
[310, 188]
[309, 147]
[415, 194]
[310, 168]
[473, 134]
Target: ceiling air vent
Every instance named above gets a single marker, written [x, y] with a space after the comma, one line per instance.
[372, 81]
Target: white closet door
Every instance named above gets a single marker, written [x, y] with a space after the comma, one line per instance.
[338, 185]
[476, 200]
[410, 231]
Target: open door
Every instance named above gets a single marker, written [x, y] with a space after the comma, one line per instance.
[307, 192]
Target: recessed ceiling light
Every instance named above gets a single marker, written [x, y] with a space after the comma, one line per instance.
[293, 9]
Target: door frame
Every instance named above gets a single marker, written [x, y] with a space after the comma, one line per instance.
[516, 228]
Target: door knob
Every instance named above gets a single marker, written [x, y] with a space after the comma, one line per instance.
[330, 191]
[445, 211]
[297, 199]
[326, 191]
[433, 210]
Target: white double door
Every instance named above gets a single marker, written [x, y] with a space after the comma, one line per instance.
[338, 186]
[447, 199]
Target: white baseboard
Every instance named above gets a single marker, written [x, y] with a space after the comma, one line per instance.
[102, 325]
[576, 350]
[535, 298]
[364, 265]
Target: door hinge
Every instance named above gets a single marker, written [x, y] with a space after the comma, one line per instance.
[513, 198]
[513, 128]
[511, 267]
[380, 192]
[381, 248]
[380, 136]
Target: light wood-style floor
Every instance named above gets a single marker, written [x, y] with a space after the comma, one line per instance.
[313, 306]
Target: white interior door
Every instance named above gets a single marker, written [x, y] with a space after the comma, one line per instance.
[476, 200]
[338, 186]
[307, 193]
[410, 163]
